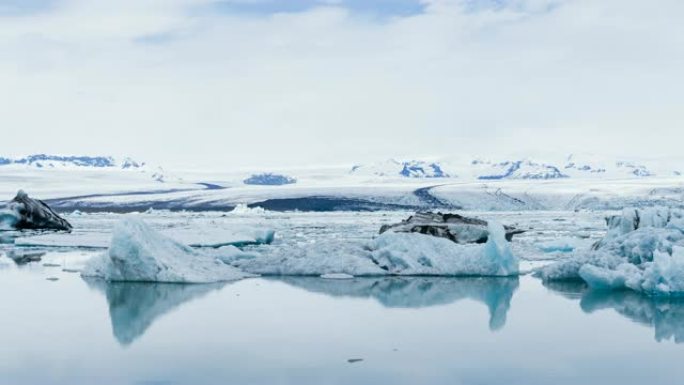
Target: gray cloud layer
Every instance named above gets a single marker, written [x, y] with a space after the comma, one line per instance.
[179, 81]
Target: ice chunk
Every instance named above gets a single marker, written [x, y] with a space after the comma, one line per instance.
[623, 276]
[243, 209]
[138, 253]
[337, 276]
[419, 254]
[568, 268]
[642, 251]
[665, 275]
[561, 245]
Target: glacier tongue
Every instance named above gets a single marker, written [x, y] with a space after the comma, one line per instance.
[138, 253]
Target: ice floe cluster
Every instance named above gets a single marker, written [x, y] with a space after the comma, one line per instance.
[392, 254]
[139, 253]
[643, 250]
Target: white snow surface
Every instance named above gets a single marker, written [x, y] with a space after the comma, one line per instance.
[138, 253]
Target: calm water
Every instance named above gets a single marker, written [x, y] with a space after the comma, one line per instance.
[304, 331]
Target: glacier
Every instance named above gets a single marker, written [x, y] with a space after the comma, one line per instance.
[139, 253]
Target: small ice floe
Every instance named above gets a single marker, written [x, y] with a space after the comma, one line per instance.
[243, 209]
[139, 253]
[560, 245]
[337, 276]
[22, 257]
[51, 265]
[643, 250]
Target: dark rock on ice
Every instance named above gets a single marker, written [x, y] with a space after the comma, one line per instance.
[34, 214]
[454, 227]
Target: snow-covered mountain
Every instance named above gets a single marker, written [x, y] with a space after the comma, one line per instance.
[61, 161]
[519, 169]
[573, 166]
[406, 169]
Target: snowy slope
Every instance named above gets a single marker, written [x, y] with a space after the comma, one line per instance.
[567, 183]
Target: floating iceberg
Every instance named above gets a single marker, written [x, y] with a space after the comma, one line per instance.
[454, 227]
[138, 253]
[391, 254]
[643, 250]
[23, 212]
[418, 254]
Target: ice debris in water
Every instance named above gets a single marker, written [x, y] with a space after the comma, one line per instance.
[391, 254]
[643, 250]
[138, 253]
[243, 209]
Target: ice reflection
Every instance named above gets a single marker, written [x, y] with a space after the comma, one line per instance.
[135, 306]
[417, 292]
[664, 314]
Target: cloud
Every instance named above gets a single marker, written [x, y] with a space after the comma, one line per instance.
[182, 81]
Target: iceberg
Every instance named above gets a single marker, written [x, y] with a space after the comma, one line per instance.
[419, 254]
[138, 253]
[663, 276]
[643, 250]
[23, 213]
[390, 254]
[454, 227]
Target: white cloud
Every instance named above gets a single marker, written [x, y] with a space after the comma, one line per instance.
[159, 80]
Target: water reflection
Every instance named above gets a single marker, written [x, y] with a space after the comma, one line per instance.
[665, 315]
[417, 292]
[134, 306]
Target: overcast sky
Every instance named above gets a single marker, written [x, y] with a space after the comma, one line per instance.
[304, 82]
